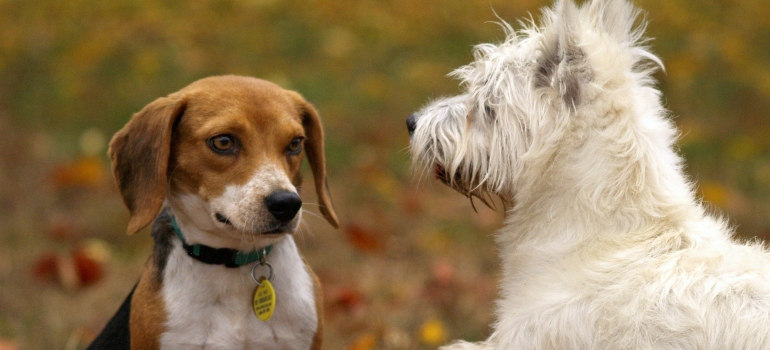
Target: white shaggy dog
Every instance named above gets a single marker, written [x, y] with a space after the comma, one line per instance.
[605, 245]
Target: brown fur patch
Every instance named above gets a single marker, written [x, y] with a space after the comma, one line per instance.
[139, 154]
[148, 312]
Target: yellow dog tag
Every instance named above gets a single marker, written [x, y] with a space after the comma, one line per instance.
[264, 300]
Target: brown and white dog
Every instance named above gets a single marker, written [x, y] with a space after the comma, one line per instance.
[219, 161]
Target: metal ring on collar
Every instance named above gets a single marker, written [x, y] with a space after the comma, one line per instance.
[254, 269]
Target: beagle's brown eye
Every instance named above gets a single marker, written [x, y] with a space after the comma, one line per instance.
[295, 147]
[223, 144]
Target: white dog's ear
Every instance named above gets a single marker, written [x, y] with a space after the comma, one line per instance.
[562, 66]
[619, 21]
[616, 18]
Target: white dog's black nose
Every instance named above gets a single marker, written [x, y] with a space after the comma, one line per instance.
[411, 124]
[284, 205]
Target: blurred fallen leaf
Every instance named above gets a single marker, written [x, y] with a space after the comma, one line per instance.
[367, 341]
[443, 272]
[394, 338]
[433, 333]
[348, 299]
[45, 266]
[8, 345]
[80, 268]
[57, 268]
[89, 270]
[443, 286]
[86, 172]
[97, 249]
[364, 239]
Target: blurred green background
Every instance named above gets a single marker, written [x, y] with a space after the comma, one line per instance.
[413, 265]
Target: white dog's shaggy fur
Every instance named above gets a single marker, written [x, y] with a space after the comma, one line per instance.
[605, 245]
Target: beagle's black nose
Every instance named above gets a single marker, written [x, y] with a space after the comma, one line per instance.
[411, 124]
[284, 205]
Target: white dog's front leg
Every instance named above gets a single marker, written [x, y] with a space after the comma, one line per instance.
[463, 345]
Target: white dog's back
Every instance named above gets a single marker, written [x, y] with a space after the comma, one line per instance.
[605, 244]
[664, 288]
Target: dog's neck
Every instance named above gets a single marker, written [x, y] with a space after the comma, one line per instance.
[194, 219]
[224, 295]
[612, 181]
[220, 256]
[192, 289]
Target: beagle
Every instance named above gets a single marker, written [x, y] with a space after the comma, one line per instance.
[216, 166]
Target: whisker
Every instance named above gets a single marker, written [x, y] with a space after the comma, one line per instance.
[470, 196]
[312, 214]
[305, 226]
[299, 234]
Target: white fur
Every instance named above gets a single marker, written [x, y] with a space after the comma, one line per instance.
[605, 244]
[209, 306]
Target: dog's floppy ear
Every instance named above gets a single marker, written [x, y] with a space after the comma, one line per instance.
[314, 148]
[140, 154]
[562, 65]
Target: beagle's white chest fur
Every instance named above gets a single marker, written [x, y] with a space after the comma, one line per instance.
[209, 306]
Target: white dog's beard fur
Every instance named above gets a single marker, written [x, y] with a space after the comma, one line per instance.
[445, 155]
[605, 245]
